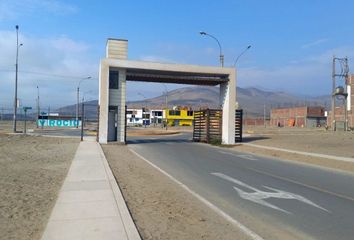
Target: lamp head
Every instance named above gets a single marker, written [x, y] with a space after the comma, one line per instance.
[249, 46]
[16, 27]
[202, 33]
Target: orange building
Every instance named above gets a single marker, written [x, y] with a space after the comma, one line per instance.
[298, 117]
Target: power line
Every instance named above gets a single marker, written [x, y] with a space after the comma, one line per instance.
[46, 74]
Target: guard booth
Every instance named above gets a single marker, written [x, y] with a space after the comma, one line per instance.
[115, 70]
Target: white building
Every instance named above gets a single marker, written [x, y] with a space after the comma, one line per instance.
[138, 117]
[134, 117]
[157, 117]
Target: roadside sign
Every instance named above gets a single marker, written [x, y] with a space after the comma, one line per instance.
[58, 123]
[27, 108]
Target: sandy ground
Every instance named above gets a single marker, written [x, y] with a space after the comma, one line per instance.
[306, 140]
[31, 174]
[160, 208]
[7, 126]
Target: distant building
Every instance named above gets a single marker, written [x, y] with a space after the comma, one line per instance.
[157, 116]
[298, 117]
[174, 117]
[134, 117]
[179, 117]
[138, 117]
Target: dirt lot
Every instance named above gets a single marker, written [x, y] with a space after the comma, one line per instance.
[306, 140]
[160, 208]
[7, 126]
[31, 174]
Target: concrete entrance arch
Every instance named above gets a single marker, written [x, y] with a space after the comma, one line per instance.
[116, 69]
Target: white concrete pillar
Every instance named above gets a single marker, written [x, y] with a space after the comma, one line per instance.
[103, 101]
[121, 106]
[115, 49]
[228, 104]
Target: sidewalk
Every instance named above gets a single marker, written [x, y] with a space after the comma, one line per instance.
[345, 159]
[90, 205]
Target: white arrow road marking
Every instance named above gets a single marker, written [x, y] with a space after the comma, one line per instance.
[258, 196]
[249, 157]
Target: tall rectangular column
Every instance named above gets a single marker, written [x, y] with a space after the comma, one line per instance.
[121, 106]
[103, 101]
[228, 104]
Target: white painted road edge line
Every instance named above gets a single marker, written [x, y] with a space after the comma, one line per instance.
[346, 159]
[243, 228]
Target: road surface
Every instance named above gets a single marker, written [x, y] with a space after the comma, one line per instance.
[275, 199]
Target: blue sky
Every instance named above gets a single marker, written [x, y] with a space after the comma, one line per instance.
[63, 41]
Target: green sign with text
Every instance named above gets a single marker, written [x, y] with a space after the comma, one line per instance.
[58, 123]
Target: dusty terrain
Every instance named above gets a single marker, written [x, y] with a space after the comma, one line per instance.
[31, 174]
[305, 140]
[7, 126]
[160, 208]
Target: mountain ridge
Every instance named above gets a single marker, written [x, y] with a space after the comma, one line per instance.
[253, 100]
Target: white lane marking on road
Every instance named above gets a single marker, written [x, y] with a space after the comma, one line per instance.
[249, 157]
[242, 227]
[258, 196]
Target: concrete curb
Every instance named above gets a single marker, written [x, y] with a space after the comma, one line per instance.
[345, 159]
[90, 204]
[130, 228]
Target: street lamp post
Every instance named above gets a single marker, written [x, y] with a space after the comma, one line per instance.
[16, 78]
[38, 109]
[166, 105]
[221, 55]
[248, 47]
[144, 110]
[78, 100]
[82, 119]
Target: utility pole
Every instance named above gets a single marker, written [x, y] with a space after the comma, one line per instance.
[264, 115]
[333, 96]
[82, 119]
[16, 78]
[77, 106]
[340, 90]
[38, 110]
[166, 105]
[78, 100]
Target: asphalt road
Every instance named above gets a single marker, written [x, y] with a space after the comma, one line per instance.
[275, 199]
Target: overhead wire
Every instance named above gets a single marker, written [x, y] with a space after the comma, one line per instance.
[48, 74]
